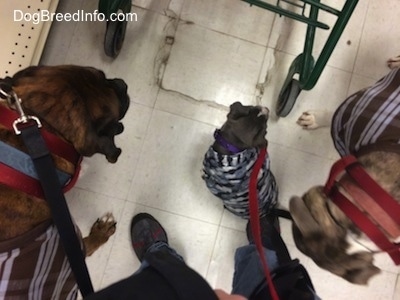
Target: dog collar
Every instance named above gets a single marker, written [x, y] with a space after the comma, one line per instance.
[224, 143]
[20, 180]
[387, 208]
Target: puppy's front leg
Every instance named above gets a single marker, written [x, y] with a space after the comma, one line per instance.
[101, 231]
[313, 119]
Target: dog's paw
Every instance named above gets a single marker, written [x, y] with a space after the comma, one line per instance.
[314, 119]
[104, 226]
[101, 231]
[394, 62]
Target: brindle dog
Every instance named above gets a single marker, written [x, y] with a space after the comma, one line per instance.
[320, 228]
[82, 107]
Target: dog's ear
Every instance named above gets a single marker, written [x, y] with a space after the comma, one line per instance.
[302, 216]
[360, 267]
[237, 110]
[121, 90]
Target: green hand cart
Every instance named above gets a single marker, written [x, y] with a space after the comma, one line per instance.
[307, 68]
[115, 32]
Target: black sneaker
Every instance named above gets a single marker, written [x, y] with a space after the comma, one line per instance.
[145, 231]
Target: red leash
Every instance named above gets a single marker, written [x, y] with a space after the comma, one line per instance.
[254, 219]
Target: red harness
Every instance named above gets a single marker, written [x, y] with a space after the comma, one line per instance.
[19, 181]
[374, 210]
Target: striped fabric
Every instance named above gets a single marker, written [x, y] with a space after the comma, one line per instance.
[369, 120]
[228, 176]
[38, 270]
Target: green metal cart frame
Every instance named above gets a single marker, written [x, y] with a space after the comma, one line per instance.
[115, 32]
[308, 69]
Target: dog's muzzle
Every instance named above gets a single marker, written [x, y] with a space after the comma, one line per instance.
[263, 111]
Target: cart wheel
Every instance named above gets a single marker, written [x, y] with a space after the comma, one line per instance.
[114, 38]
[287, 98]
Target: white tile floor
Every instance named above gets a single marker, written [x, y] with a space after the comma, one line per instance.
[223, 51]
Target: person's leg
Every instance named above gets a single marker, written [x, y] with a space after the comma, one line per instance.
[148, 238]
[163, 273]
[150, 243]
[248, 269]
[271, 237]
[159, 247]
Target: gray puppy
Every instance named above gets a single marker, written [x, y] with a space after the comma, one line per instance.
[229, 161]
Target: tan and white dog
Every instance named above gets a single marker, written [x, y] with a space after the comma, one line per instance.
[365, 129]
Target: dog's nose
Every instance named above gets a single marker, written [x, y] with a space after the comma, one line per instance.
[263, 111]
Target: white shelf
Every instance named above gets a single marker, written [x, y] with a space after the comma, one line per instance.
[22, 42]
